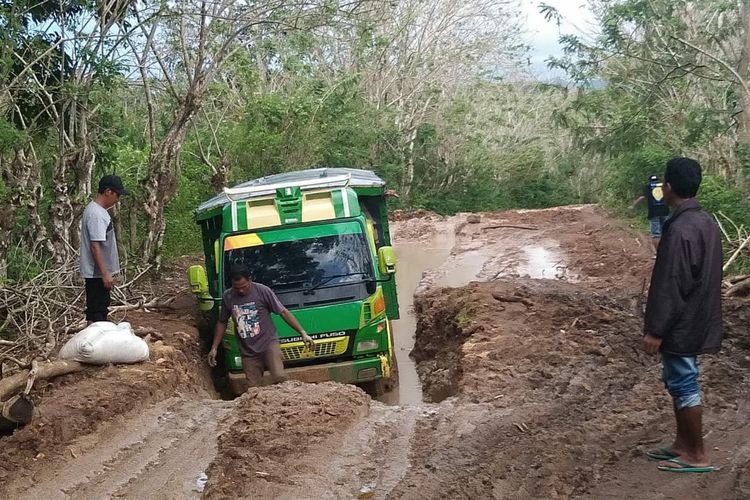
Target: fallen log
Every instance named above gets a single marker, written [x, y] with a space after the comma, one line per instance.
[739, 289]
[743, 245]
[737, 279]
[510, 226]
[151, 304]
[146, 331]
[9, 386]
[507, 298]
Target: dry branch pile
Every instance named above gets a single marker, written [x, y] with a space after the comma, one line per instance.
[737, 286]
[38, 315]
[738, 240]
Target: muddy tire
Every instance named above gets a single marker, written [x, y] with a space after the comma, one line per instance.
[375, 388]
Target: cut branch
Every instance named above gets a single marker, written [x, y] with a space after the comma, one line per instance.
[11, 385]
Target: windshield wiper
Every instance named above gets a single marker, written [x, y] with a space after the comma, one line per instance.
[328, 279]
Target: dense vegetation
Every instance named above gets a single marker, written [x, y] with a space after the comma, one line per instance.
[181, 98]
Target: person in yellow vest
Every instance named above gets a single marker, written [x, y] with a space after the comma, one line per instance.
[658, 210]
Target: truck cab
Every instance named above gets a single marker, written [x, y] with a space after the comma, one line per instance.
[319, 239]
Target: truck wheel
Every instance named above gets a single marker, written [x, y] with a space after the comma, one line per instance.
[375, 388]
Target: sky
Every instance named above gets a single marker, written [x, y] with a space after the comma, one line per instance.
[543, 35]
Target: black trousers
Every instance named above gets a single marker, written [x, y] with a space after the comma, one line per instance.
[97, 300]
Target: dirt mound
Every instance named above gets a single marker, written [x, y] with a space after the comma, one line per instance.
[516, 330]
[561, 391]
[79, 404]
[402, 215]
[415, 226]
[272, 431]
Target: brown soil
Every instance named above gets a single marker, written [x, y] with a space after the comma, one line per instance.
[564, 401]
[78, 405]
[528, 349]
[271, 432]
[582, 240]
[414, 226]
[405, 215]
[560, 407]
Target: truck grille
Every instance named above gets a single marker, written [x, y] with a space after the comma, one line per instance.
[295, 351]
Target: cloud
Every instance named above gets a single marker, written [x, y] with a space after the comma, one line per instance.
[543, 35]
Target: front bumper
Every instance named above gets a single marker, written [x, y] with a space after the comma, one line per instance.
[346, 372]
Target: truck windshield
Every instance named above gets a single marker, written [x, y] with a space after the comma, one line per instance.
[294, 265]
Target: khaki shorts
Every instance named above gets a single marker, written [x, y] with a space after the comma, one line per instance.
[270, 360]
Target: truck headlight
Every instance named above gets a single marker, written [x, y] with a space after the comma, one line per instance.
[367, 345]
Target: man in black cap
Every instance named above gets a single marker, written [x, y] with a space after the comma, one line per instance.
[100, 261]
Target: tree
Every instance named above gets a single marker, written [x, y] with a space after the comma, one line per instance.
[180, 49]
[419, 54]
[686, 64]
[52, 57]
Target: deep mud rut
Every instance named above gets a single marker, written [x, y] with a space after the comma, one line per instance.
[526, 381]
[157, 454]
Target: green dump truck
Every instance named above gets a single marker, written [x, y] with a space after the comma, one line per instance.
[319, 238]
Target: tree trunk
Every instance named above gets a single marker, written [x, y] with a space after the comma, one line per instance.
[133, 225]
[164, 172]
[83, 168]
[9, 207]
[220, 175]
[159, 188]
[61, 211]
[19, 176]
[117, 215]
[743, 132]
[408, 179]
[30, 193]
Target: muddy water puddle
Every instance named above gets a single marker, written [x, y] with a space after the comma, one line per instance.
[414, 259]
[544, 262]
[440, 262]
[463, 268]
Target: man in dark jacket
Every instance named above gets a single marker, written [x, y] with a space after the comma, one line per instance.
[683, 312]
[658, 210]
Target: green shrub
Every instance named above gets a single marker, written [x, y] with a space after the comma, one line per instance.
[731, 208]
[627, 174]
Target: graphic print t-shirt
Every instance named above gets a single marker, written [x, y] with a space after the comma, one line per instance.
[252, 317]
[654, 193]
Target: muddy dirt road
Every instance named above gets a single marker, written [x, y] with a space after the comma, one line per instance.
[526, 381]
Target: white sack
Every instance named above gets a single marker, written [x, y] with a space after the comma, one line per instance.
[104, 342]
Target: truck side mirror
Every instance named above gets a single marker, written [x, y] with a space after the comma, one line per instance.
[387, 260]
[199, 286]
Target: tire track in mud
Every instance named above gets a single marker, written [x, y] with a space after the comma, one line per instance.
[370, 460]
[375, 455]
[157, 454]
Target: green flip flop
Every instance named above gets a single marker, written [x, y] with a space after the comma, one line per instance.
[684, 467]
[661, 454]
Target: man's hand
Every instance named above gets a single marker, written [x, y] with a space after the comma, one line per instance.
[108, 281]
[308, 341]
[651, 344]
[211, 357]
